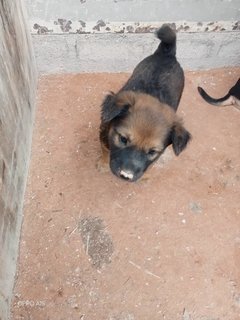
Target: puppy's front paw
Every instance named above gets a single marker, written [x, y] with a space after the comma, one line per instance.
[145, 178]
[102, 166]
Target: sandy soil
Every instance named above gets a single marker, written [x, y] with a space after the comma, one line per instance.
[94, 247]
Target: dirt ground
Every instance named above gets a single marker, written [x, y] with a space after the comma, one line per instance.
[94, 247]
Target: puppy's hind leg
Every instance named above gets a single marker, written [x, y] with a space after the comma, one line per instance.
[103, 161]
[237, 104]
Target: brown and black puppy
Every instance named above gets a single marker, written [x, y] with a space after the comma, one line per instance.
[231, 98]
[139, 122]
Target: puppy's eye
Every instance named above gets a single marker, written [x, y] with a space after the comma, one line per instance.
[152, 152]
[123, 140]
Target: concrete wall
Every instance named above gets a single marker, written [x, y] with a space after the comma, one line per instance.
[113, 35]
[17, 92]
[134, 10]
[121, 53]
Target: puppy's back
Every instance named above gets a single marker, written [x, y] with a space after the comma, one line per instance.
[160, 75]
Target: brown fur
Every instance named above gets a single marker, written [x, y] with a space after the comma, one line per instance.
[148, 121]
[145, 127]
[140, 121]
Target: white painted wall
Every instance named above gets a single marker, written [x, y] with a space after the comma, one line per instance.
[88, 35]
[135, 10]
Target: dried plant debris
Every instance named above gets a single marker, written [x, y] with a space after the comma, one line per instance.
[97, 242]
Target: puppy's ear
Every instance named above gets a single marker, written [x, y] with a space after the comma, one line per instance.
[179, 137]
[115, 105]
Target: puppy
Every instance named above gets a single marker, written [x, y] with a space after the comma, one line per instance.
[140, 121]
[231, 98]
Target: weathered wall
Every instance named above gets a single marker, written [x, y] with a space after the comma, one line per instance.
[134, 10]
[112, 35]
[120, 52]
[17, 91]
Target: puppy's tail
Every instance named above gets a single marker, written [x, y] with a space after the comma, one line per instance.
[224, 101]
[168, 41]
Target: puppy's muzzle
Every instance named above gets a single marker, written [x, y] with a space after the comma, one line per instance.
[128, 164]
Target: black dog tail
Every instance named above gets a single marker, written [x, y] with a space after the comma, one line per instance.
[216, 102]
[168, 40]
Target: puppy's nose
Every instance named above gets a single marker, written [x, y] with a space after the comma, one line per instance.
[126, 174]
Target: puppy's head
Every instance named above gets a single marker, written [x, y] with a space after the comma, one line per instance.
[139, 130]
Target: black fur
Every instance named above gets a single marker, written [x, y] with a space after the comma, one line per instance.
[161, 76]
[234, 92]
[179, 139]
[112, 108]
[131, 159]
